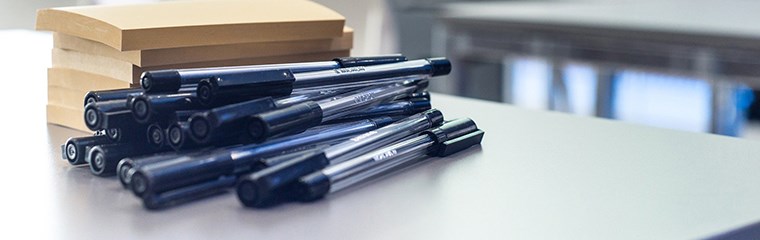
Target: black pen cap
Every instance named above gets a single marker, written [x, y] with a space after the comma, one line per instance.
[104, 158]
[260, 189]
[312, 187]
[94, 113]
[454, 136]
[161, 81]
[293, 119]
[277, 82]
[75, 149]
[108, 95]
[418, 105]
[204, 124]
[371, 60]
[178, 136]
[155, 136]
[441, 66]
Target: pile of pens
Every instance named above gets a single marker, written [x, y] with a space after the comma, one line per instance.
[275, 133]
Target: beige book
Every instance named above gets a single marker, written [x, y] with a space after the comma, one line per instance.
[166, 56]
[127, 72]
[83, 81]
[194, 23]
[60, 96]
[67, 117]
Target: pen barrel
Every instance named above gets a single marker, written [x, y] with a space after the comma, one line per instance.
[361, 100]
[108, 95]
[398, 108]
[289, 120]
[423, 68]
[369, 141]
[161, 81]
[226, 121]
[264, 187]
[75, 149]
[337, 177]
[235, 87]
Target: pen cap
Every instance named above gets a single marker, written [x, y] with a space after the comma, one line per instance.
[260, 189]
[74, 149]
[104, 158]
[277, 82]
[94, 112]
[204, 124]
[441, 66]
[156, 136]
[293, 119]
[454, 136]
[367, 61]
[312, 187]
[419, 105]
[160, 81]
[107, 95]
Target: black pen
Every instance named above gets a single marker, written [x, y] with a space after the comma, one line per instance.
[280, 82]
[226, 121]
[449, 138]
[167, 81]
[176, 173]
[268, 181]
[75, 149]
[108, 95]
[302, 116]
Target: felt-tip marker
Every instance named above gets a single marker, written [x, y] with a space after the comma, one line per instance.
[449, 138]
[167, 81]
[280, 82]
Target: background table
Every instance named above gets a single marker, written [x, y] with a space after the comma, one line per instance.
[537, 175]
[699, 38]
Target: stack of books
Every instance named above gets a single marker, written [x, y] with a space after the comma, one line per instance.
[108, 47]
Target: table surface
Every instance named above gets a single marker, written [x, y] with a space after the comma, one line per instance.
[537, 175]
[685, 20]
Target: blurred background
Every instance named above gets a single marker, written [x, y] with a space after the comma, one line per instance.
[686, 65]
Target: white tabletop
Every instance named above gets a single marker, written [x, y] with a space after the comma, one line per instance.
[537, 175]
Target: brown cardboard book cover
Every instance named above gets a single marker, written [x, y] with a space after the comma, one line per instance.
[194, 23]
[67, 117]
[60, 96]
[127, 72]
[166, 56]
[84, 81]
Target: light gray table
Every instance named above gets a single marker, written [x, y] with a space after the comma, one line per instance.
[537, 175]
